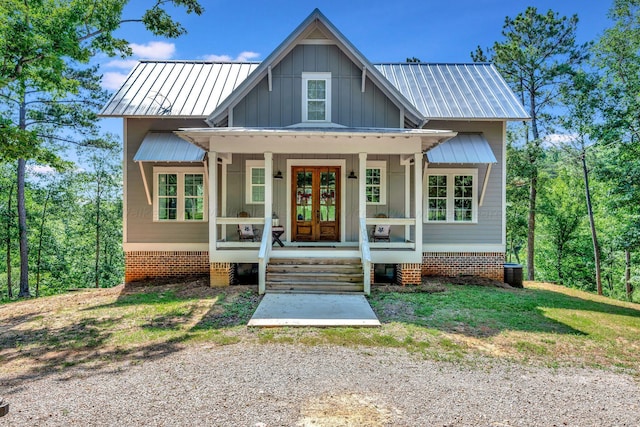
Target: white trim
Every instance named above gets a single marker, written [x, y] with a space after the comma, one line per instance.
[125, 161]
[503, 164]
[146, 185]
[326, 77]
[362, 190]
[450, 173]
[407, 198]
[417, 166]
[270, 78]
[382, 165]
[248, 187]
[213, 214]
[485, 182]
[165, 247]
[364, 79]
[317, 41]
[343, 190]
[464, 247]
[180, 171]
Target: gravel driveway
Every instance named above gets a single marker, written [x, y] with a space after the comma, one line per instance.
[288, 385]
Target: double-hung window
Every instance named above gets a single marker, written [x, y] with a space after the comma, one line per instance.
[375, 182]
[180, 194]
[451, 196]
[316, 97]
[255, 179]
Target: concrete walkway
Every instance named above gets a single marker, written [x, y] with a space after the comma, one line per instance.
[314, 310]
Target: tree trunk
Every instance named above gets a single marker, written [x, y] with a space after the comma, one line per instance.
[9, 223]
[22, 227]
[97, 263]
[594, 236]
[627, 274]
[22, 213]
[44, 214]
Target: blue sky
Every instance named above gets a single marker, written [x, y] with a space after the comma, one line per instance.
[384, 31]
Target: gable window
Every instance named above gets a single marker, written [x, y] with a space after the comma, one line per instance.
[375, 182]
[451, 196]
[255, 180]
[179, 194]
[316, 97]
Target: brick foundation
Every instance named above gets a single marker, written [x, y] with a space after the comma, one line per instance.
[222, 274]
[481, 264]
[408, 274]
[142, 265]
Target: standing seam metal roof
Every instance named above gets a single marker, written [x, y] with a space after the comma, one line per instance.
[197, 88]
[463, 148]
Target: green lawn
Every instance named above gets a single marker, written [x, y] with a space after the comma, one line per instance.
[543, 324]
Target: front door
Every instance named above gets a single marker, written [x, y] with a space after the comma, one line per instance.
[316, 203]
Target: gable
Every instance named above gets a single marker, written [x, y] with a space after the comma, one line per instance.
[283, 105]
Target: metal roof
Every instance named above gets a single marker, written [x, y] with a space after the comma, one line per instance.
[463, 148]
[176, 88]
[167, 147]
[455, 91]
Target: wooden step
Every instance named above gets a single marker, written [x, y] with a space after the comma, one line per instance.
[317, 269]
[315, 287]
[315, 261]
[315, 277]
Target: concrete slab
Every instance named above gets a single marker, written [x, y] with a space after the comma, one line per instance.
[314, 310]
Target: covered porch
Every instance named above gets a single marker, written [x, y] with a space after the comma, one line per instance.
[343, 220]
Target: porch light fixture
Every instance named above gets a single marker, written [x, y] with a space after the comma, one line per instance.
[278, 175]
[352, 175]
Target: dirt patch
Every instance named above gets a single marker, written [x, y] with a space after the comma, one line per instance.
[194, 287]
[344, 410]
[465, 280]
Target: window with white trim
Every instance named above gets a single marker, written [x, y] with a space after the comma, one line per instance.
[316, 97]
[255, 179]
[451, 195]
[179, 194]
[376, 182]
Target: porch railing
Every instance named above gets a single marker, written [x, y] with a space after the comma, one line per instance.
[225, 221]
[263, 257]
[403, 222]
[365, 255]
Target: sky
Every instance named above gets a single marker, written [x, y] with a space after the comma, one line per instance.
[384, 31]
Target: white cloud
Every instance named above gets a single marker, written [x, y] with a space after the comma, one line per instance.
[41, 169]
[559, 139]
[153, 50]
[125, 64]
[242, 57]
[112, 80]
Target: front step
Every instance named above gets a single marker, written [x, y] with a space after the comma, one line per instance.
[321, 275]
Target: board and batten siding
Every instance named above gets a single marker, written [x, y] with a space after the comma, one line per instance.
[139, 215]
[489, 229]
[283, 105]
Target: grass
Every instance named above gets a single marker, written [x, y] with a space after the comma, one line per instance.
[544, 324]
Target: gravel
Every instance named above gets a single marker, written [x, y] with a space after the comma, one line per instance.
[290, 385]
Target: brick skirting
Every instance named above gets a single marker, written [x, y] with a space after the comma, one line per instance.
[408, 274]
[481, 264]
[164, 264]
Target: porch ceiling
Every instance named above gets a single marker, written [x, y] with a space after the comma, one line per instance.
[305, 140]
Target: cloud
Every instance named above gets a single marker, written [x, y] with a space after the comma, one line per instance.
[153, 50]
[559, 139]
[242, 57]
[125, 64]
[41, 169]
[112, 80]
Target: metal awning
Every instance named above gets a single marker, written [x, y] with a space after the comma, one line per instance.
[167, 147]
[463, 148]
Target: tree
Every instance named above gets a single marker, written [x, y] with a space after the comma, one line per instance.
[580, 95]
[539, 52]
[39, 44]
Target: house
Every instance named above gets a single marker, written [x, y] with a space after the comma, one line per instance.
[326, 141]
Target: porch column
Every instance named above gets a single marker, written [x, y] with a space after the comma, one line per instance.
[268, 186]
[362, 190]
[213, 204]
[418, 201]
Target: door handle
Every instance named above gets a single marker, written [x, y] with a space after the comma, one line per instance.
[318, 215]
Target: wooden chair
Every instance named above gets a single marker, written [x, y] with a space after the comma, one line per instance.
[381, 233]
[246, 232]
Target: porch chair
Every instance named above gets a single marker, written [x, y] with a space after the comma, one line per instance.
[246, 232]
[381, 233]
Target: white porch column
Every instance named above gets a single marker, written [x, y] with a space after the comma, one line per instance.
[362, 190]
[418, 201]
[213, 204]
[407, 199]
[268, 186]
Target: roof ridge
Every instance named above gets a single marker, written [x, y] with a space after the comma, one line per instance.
[196, 61]
[432, 63]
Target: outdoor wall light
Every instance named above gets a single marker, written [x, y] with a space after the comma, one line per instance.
[278, 175]
[352, 175]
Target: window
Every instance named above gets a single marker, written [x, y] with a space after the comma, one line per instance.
[375, 182]
[316, 97]
[451, 195]
[255, 182]
[179, 194]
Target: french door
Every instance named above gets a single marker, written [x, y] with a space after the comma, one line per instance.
[316, 203]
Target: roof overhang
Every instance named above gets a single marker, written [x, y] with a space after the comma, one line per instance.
[462, 149]
[167, 147]
[315, 140]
